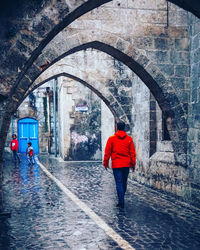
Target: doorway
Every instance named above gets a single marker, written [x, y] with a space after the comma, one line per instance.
[28, 132]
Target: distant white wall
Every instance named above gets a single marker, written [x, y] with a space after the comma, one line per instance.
[140, 119]
[107, 125]
[65, 104]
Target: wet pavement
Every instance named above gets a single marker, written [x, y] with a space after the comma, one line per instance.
[43, 217]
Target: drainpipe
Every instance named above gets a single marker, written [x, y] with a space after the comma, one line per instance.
[12, 124]
[167, 14]
[48, 120]
[54, 116]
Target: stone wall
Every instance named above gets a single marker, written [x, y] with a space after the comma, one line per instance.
[78, 134]
[159, 44]
[149, 43]
[155, 168]
[138, 34]
[65, 104]
[140, 120]
[35, 106]
[107, 77]
[107, 125]
[194, 109]
[125, 91]
[26, 28]
[85, 126]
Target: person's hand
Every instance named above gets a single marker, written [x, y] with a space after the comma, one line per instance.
[133, 168]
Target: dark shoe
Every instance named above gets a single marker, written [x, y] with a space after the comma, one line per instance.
[120, 205]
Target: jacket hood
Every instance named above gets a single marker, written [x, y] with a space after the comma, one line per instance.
[121, 134]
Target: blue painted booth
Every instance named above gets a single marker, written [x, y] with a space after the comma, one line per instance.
[28, 132]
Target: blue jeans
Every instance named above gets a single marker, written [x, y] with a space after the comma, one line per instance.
[121, 176]
[30, 159]
[15, 156]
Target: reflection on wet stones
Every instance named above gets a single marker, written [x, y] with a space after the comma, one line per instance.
[43, 217]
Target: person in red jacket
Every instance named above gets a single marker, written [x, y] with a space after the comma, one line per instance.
[121, 149]
[14, 147]
[29, 153]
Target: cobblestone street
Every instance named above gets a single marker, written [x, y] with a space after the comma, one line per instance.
[43, 217]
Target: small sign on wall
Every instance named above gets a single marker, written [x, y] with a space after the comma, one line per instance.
[81, 108]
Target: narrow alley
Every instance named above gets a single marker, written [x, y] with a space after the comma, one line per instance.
[85, 84]
[44, 217]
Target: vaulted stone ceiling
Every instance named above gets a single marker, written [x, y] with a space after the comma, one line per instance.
[15, 33]
[27, 26]
[189, 5]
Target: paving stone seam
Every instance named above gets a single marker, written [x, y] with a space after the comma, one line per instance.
[166, 197]
[163, 196]
[97, 219]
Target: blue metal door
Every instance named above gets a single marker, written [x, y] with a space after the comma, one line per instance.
[28, 132]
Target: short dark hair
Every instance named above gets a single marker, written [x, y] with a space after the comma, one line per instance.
[121, 125]
[29, 143]
[14, 135]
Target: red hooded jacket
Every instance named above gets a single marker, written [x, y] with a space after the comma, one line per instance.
[14, 145]
[121, 149]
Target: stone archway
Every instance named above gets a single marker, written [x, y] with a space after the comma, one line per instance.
[164, 100]
[109, 113]
[39, 27]
[165, 93]
[29, 48]
[103, 78]
[99, 94]
[145, 37]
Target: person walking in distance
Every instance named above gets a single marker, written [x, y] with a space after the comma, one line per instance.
[29, 153]
[14, 147]
[121, 149]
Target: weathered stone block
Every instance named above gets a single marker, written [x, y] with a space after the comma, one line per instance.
[182, 44]
[125, 83]
[196, 55]
[143, 42]
[168, 69]
[161, 43]
[152, 69]
[33, 72]
[151, 4]
[23, 48]
[195, 42]
[178, 82]
[17, 62]
[143, 60]
[122, 45]
[178, 32]
[182, 18]
[158, 56]
[29, 40]
[195, 28]
[70, 90]
[42, 27]
[151, 16]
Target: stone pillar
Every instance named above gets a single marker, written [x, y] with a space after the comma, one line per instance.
[107, 125]
[64, 109]
[5, 119]
[140, 119]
